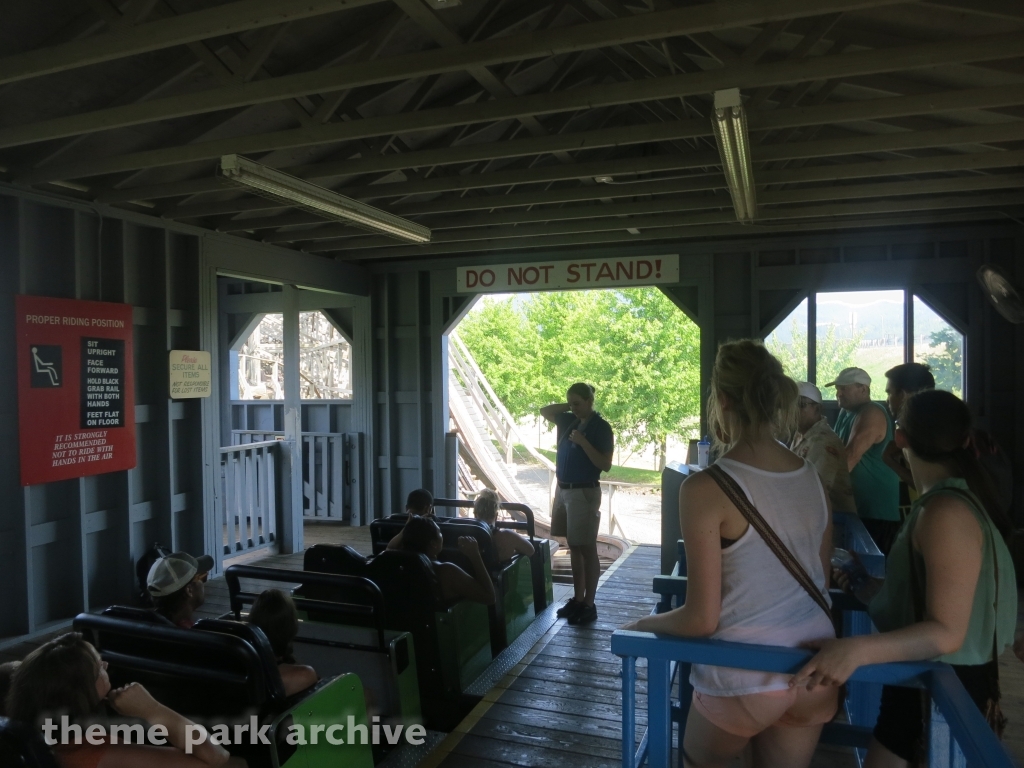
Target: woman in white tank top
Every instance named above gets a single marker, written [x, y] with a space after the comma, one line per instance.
[738, 589]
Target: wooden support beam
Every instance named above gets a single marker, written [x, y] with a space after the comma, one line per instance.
[525, 232]
[929, 54]
[227, 19]
[542, 43]
[639, 165]
[876, 169]
[625, 237]
[324, 172]
[1000, 9]
[307, 238]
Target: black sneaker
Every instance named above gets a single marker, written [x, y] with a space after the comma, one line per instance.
[586, 615]
[570, 609]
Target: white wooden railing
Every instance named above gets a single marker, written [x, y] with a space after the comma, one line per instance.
[248, 498]
[324, 472]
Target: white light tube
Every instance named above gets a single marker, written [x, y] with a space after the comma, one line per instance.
[730, 125]
[288, 189]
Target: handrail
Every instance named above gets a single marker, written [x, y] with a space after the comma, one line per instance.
[511, 506]
[375, 610]
[966, 724]
[464, 356]
[250, 446]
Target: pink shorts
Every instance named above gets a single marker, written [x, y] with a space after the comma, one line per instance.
[749, 714]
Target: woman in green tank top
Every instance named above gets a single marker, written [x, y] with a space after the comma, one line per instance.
[949, 592]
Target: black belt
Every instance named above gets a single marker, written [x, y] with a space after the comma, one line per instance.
[571, 486]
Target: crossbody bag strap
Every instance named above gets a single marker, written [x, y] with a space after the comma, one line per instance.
[735, 494]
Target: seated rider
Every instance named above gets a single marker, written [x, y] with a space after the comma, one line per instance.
[421, 535]
[177, 584]
[421, 504]
[506, 543]
[275, 614]
[67, 677]
[7, 670]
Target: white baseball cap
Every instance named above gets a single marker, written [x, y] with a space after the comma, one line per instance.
[851, 376]
[169, 574]
[809, 391]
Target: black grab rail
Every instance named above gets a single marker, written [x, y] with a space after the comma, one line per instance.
[374, 608]
[511, 506]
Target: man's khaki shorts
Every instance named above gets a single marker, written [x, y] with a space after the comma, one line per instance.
[581, 508]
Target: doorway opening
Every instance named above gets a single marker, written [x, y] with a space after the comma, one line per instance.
[515, 353]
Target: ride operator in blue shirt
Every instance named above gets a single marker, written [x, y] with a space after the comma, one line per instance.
[585, 448]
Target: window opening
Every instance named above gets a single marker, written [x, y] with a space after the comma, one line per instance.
[325, 360]
[261, 361]
[862, 329]
[939, 345]
[788, 342]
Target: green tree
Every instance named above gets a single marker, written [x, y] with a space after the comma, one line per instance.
[833, 353]
[511, 365]
[793, 355]
[947, 362]
[638, 349]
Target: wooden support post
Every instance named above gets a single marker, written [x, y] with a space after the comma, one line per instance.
[291, 453]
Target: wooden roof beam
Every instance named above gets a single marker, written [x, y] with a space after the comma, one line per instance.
[995, 46]
[638, 165]
[540, 43]
[929, 219]
[227, 19]
[525, 232]
[873, 109]
[307, 239]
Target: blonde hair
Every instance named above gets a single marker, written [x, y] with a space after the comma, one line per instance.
[485, 507]
[761, 394]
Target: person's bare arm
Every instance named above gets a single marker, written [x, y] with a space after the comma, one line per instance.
[133, 700]
[396, 541]
[893, 458]
[602, 461]
[521, 544]
[459, 585]
[144, 756]
[950, 540]
[700, 512]
[296, 677]
[551, 412]
[869, 428]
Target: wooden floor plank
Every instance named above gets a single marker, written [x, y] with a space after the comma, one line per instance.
[549, 738]
[530, 755]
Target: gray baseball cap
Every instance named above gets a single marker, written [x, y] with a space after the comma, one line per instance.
[169, 574]
[851, 376]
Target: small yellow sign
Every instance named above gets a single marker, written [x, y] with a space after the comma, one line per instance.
[190, 374]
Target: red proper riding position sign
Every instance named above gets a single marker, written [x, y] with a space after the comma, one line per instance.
[76, 389]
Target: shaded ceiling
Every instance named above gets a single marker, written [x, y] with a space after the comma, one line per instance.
[490, 120]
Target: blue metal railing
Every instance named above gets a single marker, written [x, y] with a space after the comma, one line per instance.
[862, 699]
[959, 735]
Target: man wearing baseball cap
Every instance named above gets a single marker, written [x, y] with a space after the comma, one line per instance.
[816, 442]
[177, 585]
[866, 428]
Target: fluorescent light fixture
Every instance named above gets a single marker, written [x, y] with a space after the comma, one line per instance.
[730, 124]
[288, 189]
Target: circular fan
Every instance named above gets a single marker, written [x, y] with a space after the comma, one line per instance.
[1001, 293]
